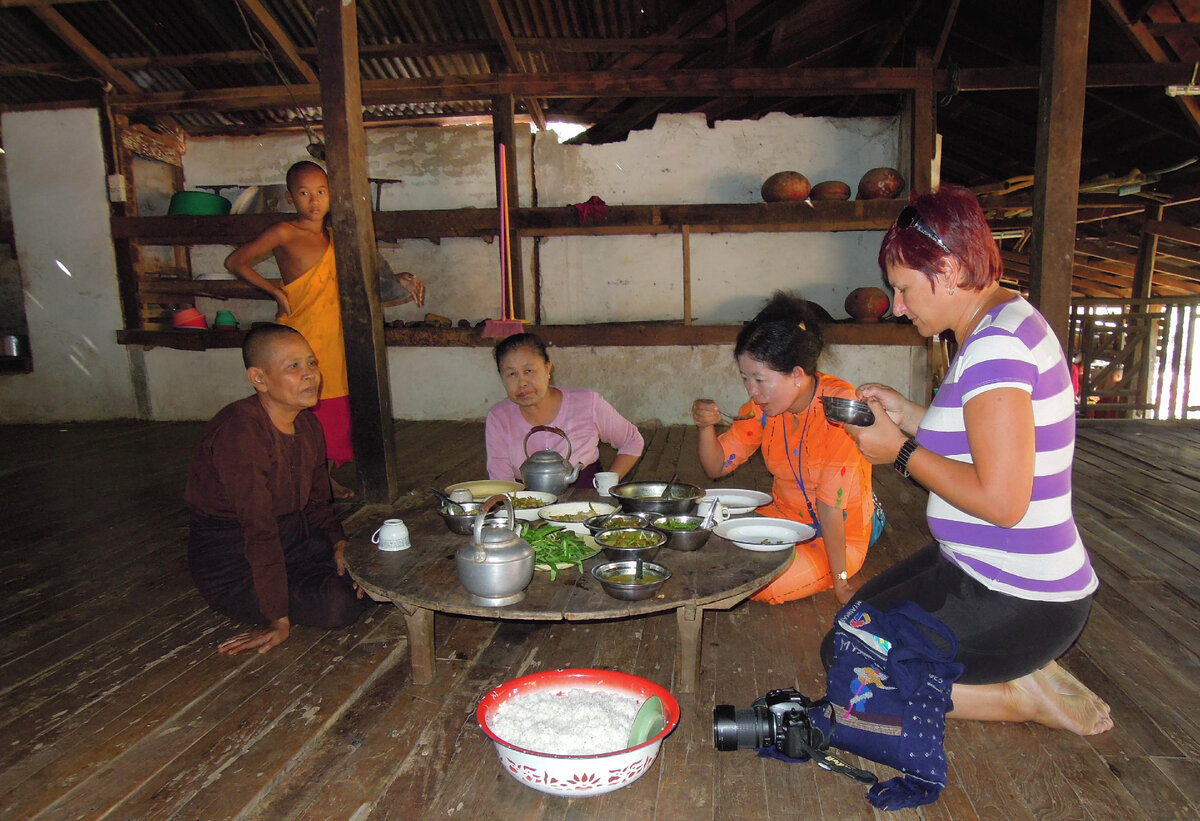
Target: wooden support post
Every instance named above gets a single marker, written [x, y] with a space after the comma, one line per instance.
[1143, 285]
[504, 133]
[1143, 271]
[1056, 165]
[924, 130]
[354, 241]
[687, 274]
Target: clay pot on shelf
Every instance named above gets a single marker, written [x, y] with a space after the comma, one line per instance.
[786, 186]
[829, 191]
[880, 184]
[867, 304]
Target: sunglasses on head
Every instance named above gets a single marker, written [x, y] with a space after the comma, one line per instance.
[910, 217]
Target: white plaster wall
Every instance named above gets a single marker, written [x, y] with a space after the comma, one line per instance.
[56, 177]
[645, 384]
[682, 160]
[58, 196]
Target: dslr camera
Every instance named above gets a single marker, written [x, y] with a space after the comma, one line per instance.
[780, 719]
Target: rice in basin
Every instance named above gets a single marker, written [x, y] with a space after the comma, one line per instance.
[570, 722]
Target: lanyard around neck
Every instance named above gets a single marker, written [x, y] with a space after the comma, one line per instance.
[797, 474]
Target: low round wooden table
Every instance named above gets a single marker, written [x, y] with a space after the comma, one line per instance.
[423, 580]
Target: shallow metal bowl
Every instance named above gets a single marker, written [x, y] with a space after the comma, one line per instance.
[847, 411]
[683, 539]
[464, 523]
[597, 523]
[654, 576]
[618, 554]
[647, 497]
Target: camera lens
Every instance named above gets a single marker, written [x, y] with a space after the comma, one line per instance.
[741, 728]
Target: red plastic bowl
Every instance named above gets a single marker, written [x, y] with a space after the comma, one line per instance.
[578, 775]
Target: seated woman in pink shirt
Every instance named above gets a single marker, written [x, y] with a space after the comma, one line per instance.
[583, 415]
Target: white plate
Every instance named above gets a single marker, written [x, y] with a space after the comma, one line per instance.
[763, 534]
[249, 201]
[736, 501]
[573, 508]
[530, 514]
[481, 489]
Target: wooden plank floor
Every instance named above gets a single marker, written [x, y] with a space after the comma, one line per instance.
[115, 704]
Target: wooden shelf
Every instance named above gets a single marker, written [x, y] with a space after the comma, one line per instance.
[619, 334]
[775, 217]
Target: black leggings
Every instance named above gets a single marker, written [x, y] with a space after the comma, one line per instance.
[1000, 637]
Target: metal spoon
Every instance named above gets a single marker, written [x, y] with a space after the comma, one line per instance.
[739, 418]
[448, 500]
[667, 489]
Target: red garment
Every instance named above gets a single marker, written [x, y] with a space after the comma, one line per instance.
[248, 471]
[333, 412]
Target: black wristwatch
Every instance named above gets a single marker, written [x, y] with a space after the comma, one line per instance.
[906, 451]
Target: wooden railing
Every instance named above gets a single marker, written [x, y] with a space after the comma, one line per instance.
[1138, 357]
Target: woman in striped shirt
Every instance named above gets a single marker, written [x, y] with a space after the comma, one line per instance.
[1008, 572]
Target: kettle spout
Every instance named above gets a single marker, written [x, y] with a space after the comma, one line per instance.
[574, 473]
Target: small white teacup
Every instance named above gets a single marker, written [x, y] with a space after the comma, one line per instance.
[604, 481]
[720, 514]
[392, 535]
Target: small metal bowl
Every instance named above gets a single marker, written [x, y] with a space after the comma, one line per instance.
[847, 411]
[683, 539]
[464, 523]
[615, 578]
[597, 523]
[619, 554]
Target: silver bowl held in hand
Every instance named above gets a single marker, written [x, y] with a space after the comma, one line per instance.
[848, 411]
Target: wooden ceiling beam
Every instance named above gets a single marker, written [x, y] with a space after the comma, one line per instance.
[79, 44]
[947, 24]
[279, 38]
[1173, 29]
[1150, 47]
[502, 34]
[686, 82]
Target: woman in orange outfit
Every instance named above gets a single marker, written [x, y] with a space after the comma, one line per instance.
[820, 476]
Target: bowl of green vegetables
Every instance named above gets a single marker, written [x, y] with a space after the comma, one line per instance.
[629, 543]
[555, 548]
[685, 531]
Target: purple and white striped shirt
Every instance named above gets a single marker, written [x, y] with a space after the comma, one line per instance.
[1042, 556]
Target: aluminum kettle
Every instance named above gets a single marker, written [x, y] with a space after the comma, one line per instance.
[497, 564]
[546, 470]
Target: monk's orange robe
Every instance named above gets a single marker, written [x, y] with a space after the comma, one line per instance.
[316, 312]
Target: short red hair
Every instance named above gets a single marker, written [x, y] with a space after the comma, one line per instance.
[955, 215]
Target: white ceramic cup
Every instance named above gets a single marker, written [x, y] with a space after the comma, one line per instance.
[392, 535]
[461, 495]
[604, 482]
[720, 514]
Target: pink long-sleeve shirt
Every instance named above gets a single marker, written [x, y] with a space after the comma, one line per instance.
[586, 418]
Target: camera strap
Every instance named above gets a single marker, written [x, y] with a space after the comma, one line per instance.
[820, 753]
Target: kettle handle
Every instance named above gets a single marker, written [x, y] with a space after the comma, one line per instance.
[491, 502]
[548, 429]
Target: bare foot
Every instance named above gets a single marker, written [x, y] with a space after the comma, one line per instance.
[340, 491]
[1058, 699]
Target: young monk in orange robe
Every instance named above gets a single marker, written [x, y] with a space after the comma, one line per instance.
[308, 298]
